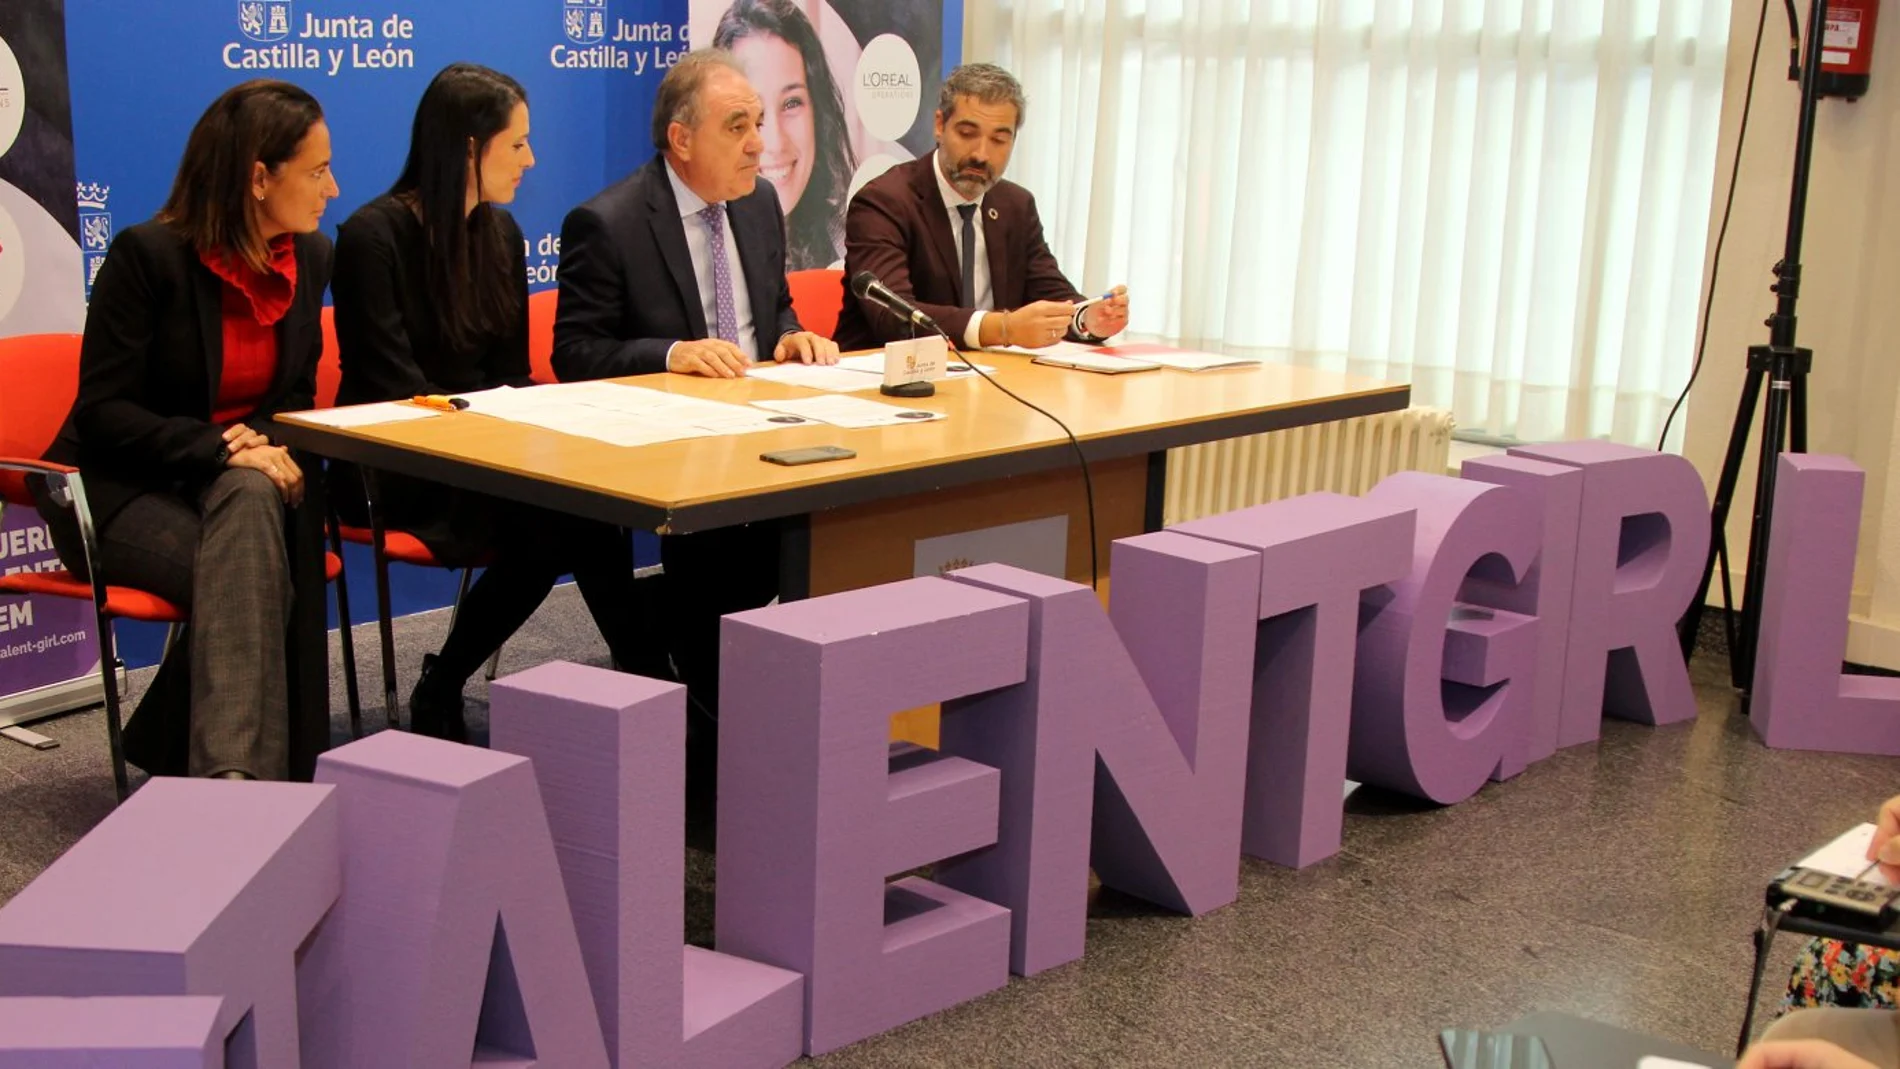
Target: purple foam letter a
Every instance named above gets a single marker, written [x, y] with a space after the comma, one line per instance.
[1438, 708]
[1317, 552]
[609, 752]
[1801, 699]
[1641, 543]
[815, 810]
[452, 932]
[192, 887]
[1151, 698]
[1557, 490]
[112, 1032]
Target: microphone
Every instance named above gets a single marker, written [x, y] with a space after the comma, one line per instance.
[866, 287]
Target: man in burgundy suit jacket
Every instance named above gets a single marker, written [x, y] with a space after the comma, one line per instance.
[965, 246]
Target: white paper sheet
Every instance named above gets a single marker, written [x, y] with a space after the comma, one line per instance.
[368, 415]
[622, 415]
[1847, 856]
[841, 411]
[832, 379]
[1178, 359]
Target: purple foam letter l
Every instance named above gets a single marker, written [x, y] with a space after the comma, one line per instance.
[1410, 731]
[609, 752]
[815, 812]
[1153, 699]
[192, 887]
[1545, 592]
[123, 1032]
[1641, 543]
[1317, 552]
[1801, 699]
[452, 932]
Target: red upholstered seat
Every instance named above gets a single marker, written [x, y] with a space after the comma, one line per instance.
[122, 602]
[399, 546]
[817, 298]
[541, 310]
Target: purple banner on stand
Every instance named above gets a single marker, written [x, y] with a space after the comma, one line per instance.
[42, 640]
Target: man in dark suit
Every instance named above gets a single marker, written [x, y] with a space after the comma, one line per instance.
[681, 267]
[965, 246]
[642, 289]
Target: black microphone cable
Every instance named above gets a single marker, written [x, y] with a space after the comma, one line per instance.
[1082, 460]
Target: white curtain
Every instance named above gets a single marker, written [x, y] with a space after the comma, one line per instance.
[1504, 201]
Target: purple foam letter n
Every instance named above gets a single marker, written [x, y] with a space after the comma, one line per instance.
[124, 1032]
[1641, 544]
[815, 810]
[452, 933]
[1410, 731]
[609, 751]
[192, 887]
[1801, 699]
[1317, 552]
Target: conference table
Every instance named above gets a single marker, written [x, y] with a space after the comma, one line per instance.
[990, 464]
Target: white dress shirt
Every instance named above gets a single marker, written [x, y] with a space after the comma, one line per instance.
[985, 297]
[699, 244]
[985, 294]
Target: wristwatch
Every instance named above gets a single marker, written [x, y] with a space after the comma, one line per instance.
[224, 455]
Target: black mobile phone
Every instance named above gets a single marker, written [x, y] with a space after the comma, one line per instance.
[1468, 1049]
[815, 454]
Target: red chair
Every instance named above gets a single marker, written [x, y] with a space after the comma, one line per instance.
[386, 546]
[42, 372]
[541, 308]
[817, 298]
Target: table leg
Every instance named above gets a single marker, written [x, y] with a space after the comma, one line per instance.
[1154, 506]
[794, 558]
[308, 645]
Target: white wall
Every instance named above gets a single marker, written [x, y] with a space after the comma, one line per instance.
[1850, 299]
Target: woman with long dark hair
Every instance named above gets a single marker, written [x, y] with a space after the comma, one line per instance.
[205, 324]
[808, 155]
[432, 298]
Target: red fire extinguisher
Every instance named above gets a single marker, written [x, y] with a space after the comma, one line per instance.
[1847, 50]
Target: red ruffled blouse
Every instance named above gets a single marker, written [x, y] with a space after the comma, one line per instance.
[253, 303]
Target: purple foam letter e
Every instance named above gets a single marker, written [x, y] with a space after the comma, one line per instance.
[815, 811]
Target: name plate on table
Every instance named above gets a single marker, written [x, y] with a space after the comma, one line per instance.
[916, 360]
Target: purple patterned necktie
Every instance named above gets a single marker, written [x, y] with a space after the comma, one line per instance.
[727, 327]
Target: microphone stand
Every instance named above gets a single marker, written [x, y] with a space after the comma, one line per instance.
[1783, 367]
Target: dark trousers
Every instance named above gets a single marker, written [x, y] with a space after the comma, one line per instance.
[220, 702]
[528, 549]
[711, 574]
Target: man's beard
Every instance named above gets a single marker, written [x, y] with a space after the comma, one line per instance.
[972, 185]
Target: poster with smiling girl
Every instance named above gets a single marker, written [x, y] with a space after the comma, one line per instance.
[846, 86]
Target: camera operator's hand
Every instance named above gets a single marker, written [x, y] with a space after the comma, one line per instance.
[1885, 847]
[1800, 1054]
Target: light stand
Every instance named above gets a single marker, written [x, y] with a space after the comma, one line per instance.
[1783, 368]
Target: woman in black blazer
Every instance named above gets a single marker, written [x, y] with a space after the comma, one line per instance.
[432, 298]
[204, 324]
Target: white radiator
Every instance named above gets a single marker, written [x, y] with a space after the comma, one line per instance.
[1349, 456]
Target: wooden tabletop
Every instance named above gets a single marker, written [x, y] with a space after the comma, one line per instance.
[701, 483]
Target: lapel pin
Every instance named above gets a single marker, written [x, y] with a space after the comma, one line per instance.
[993, 214]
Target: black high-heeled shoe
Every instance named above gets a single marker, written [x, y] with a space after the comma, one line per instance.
[435, 709]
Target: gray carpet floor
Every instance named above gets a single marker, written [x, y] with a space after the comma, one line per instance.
[1619, 881]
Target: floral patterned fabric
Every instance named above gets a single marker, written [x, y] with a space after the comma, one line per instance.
[1846, 975]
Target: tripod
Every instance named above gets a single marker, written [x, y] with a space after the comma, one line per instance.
[1783, 368]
